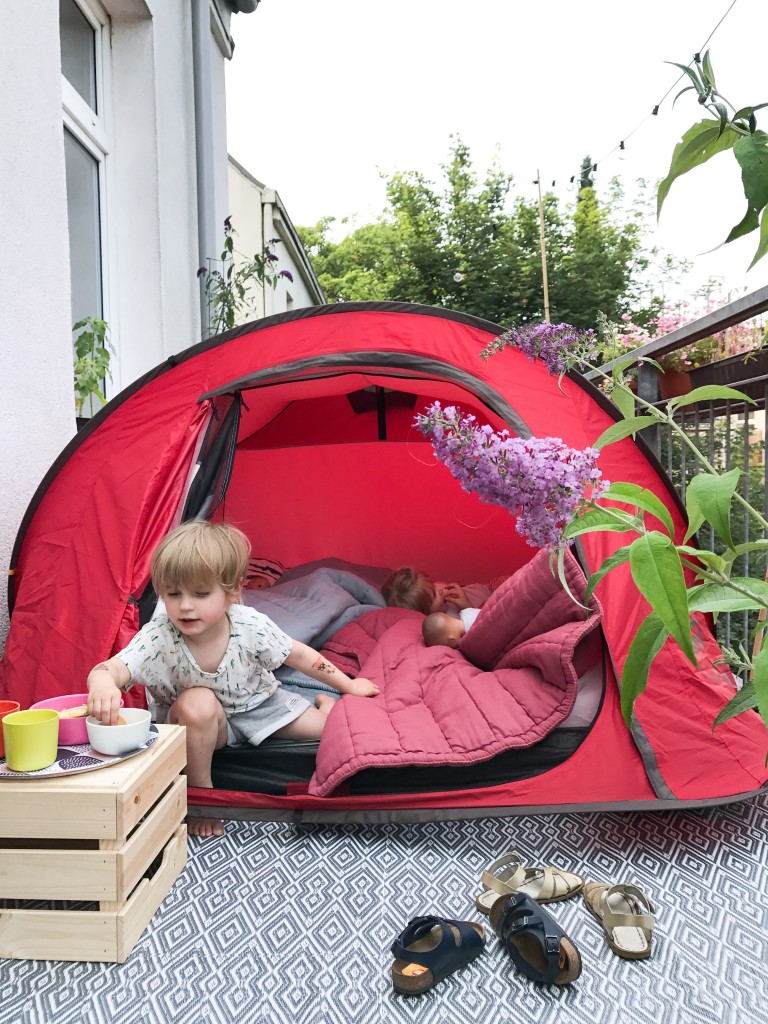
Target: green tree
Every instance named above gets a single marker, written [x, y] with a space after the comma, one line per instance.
[470, 245]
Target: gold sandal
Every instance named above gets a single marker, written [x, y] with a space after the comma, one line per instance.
[507, 876]
[625, 912]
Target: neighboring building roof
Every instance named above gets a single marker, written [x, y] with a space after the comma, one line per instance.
[288, 233]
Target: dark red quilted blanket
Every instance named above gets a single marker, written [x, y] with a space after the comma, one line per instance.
[511, 682]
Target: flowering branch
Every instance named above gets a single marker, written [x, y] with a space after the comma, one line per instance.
[556, 494]
[540, 481]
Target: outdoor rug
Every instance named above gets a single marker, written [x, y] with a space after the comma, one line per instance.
[285, 924]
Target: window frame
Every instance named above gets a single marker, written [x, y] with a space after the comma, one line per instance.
[91, 129]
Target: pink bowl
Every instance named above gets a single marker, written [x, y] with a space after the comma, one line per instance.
[71, 730]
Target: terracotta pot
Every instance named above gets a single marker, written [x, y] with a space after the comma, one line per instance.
[673, 383]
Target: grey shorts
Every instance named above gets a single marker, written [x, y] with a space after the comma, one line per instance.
[252, 727]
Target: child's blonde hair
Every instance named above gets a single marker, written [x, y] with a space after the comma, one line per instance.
[409, 588]
[199, 553]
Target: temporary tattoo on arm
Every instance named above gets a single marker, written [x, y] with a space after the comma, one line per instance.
[321, 665]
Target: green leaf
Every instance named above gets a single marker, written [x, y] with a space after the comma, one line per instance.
[563, 580]
[745, 700]
[617, 558]
[719, 597]
[658, 575]
[648, 641]
[707, 558]
[651, 362]
[633, 494]
[713, 493]
[619, 431]
[624, 400]
[709, 393]
[697, 84]
[748, 111]
[762, 247]
[720, 108]
[594, 520]
[750, 222]
[751, 151]
[702, 141]
[688, 88]
[695, 516]
[706, 67]
[743, 549]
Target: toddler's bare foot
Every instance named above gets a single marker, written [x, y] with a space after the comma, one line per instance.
[324, 703]
[205, 827]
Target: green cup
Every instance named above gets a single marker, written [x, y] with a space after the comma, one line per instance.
[31, 739]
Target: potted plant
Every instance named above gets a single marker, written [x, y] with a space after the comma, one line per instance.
[93, 352]
[677, 365]
[743, 355]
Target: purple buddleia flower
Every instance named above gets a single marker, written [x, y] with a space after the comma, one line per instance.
[559, 346]
[540, 481]
[272, 258]
[286, 274]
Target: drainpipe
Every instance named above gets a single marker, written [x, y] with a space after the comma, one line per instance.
[267, 232]
[201, 71]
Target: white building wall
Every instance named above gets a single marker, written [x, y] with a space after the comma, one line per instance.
[36, 389]
[245, 196]
[152, 301]
[156, 290]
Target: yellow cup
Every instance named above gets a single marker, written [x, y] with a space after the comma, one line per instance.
[31, 739]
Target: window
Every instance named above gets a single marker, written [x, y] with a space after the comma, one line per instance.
[83, 211]
[83, 26]
[78, 51]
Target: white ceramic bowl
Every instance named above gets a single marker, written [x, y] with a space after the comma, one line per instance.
[120, 739]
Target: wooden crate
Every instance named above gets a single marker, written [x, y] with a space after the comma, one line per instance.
[96, 852]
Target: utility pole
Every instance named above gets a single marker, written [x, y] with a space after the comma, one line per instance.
[543, 244]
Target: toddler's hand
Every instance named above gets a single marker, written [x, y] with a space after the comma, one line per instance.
[361, 687]
[104, 702]
[455, 594]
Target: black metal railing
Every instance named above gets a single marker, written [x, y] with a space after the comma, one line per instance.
[729, 433]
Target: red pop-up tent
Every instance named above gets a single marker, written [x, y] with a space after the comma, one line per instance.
[299, 430]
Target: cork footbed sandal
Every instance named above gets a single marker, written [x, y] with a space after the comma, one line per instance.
[544, 884]
[430, 948]
[537, 944]
[625, 912]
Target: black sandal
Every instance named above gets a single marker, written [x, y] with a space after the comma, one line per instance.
[430, 949]
[537, 944]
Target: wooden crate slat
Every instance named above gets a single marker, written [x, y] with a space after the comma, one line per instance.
[101, 936]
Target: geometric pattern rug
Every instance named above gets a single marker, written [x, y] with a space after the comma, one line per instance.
[281, 923]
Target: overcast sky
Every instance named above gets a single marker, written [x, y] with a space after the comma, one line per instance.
[326, 95]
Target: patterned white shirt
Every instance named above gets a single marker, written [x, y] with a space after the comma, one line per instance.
[159, 659]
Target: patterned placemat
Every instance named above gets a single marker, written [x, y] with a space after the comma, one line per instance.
[78, 757]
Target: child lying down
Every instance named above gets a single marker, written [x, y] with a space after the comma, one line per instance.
[415, 589]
